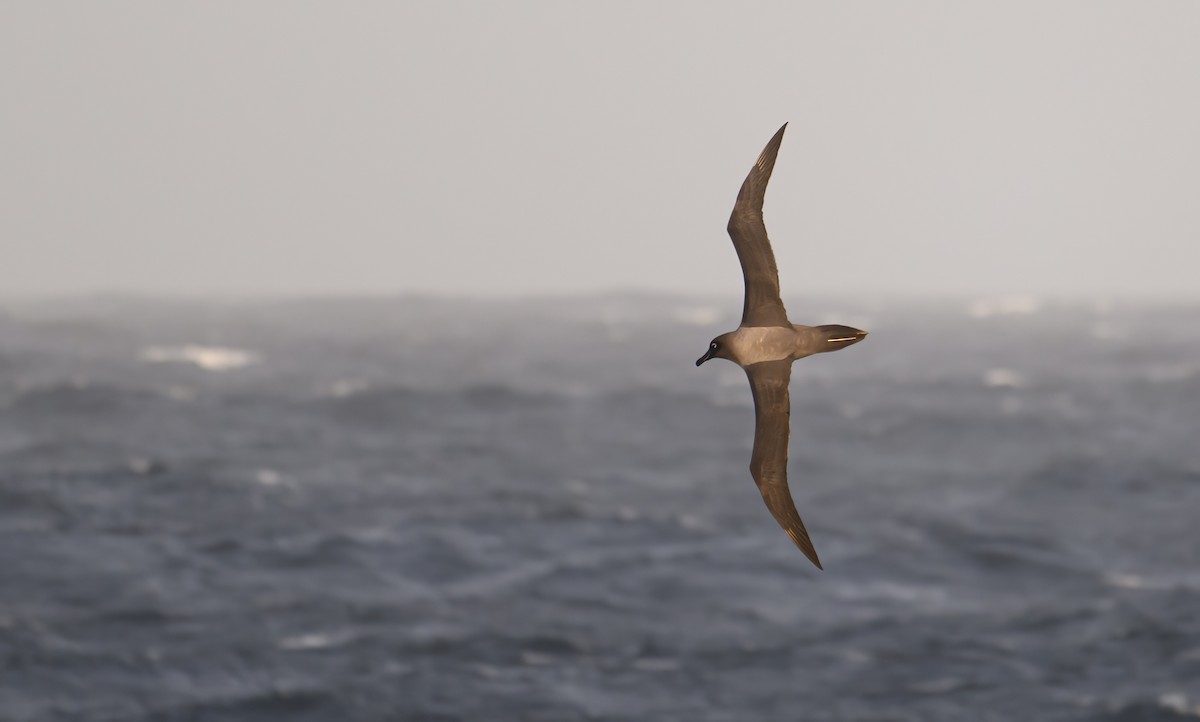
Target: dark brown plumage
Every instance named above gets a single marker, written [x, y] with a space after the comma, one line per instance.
[768, 462]
[765, 345]
[762, 305]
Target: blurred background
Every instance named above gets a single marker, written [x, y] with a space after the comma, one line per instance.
[346, 362]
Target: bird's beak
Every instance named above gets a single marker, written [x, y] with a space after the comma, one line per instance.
[707, 355]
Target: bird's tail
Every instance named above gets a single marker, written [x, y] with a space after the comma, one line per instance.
[838, 337]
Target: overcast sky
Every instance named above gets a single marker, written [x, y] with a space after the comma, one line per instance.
[546, 147]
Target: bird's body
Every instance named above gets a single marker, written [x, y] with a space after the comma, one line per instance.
[765, 345]
[749, 345]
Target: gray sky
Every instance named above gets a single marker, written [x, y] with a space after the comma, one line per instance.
[547, 147]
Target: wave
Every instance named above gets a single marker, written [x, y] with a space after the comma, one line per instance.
[1004, 378]
[209, 358]
[84, 398]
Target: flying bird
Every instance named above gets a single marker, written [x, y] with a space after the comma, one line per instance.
[765, 345]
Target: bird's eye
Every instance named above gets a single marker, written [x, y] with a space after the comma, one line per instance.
[714, 345]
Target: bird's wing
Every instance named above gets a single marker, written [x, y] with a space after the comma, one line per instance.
[762, 306]
[768, 462]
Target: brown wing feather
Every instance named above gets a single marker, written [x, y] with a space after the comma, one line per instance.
[762, 305]
[768, 463]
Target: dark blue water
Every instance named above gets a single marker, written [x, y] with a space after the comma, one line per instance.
[423, 510]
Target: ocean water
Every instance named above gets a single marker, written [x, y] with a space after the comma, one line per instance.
[416, 509]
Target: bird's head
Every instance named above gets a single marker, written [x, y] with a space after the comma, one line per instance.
[717, 348]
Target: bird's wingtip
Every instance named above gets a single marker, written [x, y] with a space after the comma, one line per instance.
[812, 557]
[804, 544]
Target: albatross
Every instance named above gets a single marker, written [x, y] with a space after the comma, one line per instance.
[765, 345]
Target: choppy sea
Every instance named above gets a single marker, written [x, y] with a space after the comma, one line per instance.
[439, 510]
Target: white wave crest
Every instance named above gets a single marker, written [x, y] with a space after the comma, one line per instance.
[1178, 703]
[209, 358]
[315, 640]
[1004, 379]
[347, 387]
